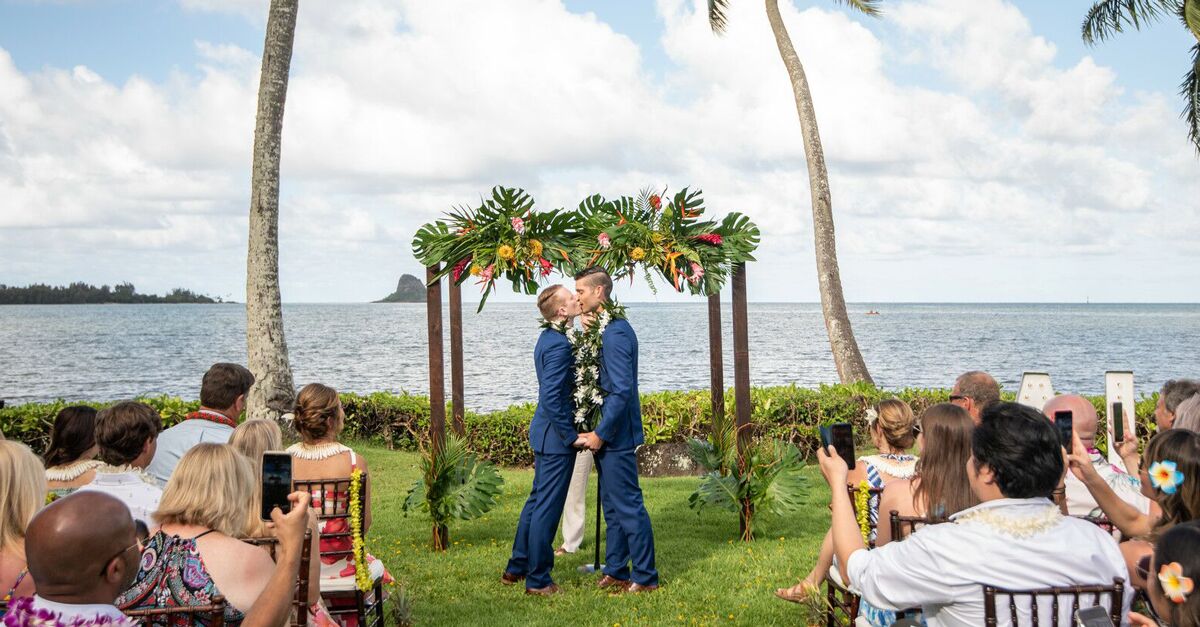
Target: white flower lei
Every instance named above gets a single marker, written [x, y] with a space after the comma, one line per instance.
[1017, 527]
[587, 346]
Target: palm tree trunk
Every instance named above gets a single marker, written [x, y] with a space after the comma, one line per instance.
[846, 356]
[273, 392]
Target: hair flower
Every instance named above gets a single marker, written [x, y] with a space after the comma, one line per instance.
[872, 415]
[1174, 585]
[1165, 476]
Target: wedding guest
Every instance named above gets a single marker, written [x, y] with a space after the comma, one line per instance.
[222, 398]
[22, 494]
[253, 438]
[1016, 538]
[83, 551]
[126, 434]
[1172, 589]
[1173, 393]
[71, 456]
[1128, 487]
[1187, 414]
[1169, 476]
[890, 426]
[973, 391]
[575, 509]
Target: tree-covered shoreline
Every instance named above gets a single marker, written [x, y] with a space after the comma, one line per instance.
[80, 293]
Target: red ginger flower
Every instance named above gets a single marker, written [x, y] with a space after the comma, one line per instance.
[710, 238]
[546, 266]
[461, 266]
[655, 202]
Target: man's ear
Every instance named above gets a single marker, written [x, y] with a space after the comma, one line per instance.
[240, 403]
[986, 474]
[114, 571]
[148, 444]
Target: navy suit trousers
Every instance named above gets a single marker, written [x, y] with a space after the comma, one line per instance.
[629, 536]
[533, 548]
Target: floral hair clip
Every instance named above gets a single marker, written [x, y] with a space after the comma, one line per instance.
[1174, 585]
[872, 415]
[1165, 476]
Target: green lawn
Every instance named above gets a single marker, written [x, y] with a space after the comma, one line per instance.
[707, 576]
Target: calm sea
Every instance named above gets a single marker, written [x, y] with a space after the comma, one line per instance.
[105, 352]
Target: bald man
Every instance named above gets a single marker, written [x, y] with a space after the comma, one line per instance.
[973, 391]
[1079, 500]
[82, 551]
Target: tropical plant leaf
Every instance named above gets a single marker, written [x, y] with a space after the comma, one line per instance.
[716, 15]
[1190, 89]
[716, 490]
[1108, 17]
[866, 7]
[454, 485]
[1191, 16]
[705, 455]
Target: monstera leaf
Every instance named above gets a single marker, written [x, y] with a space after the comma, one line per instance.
[454, 485]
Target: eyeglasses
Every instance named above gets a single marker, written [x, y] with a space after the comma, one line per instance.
[136, 544]
[957, 397]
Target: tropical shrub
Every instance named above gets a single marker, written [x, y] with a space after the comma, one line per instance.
[454, 485]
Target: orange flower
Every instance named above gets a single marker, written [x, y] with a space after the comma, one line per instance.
[1174, 585]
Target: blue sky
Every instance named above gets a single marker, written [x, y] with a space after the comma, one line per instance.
[965, 157]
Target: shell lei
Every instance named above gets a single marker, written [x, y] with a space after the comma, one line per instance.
[862, 495]
[362, 574]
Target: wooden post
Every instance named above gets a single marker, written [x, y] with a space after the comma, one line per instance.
[741, 383]
[437, 376]
[716, 361]
[456, 360]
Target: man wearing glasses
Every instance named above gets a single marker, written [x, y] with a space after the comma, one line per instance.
[973, 391]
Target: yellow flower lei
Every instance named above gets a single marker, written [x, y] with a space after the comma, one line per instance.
[862, 495]
[362, 574]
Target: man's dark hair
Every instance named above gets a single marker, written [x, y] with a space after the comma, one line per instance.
[978, 386]
[223, 383]
[1177, 391]
[596, 275]
[1021, 447]
[123, 429]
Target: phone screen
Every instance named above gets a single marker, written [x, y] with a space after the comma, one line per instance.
[276, 482]
[1093, 617]
[841, 436]
[1118, 417]
[1065, 421]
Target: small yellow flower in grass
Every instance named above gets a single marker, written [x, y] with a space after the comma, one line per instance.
[637, 254]
[506, 252]
[535, 248]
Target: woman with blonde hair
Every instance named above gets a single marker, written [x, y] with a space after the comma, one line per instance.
[253, 438]
[195, 554]
[22, 494]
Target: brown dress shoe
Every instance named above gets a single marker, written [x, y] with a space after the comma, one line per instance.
[637, 587]
[549, 590]
[612, 582]
[509, 579]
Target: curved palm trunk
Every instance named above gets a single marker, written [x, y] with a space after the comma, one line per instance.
[846, 356]
[273, 392]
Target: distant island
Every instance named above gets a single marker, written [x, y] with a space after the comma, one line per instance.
[409, 289]
[85, 294]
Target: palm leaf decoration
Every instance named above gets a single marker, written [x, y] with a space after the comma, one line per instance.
[1191, 17]
[1109, 17]
[454, 484]
[716, 15]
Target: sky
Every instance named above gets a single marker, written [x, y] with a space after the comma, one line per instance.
[978, 151]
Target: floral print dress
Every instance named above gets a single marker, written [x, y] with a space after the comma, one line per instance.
[172, 574]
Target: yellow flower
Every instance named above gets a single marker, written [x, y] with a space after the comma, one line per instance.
[657, 237]
[475, 270]
[362, 575]
[535, 248]
[506, 252]
[637, 254]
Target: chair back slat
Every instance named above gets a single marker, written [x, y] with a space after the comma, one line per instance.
[1115, 593]
[903, 526]
[215, 611]
[300, 602]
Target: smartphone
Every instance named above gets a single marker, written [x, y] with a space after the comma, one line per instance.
[1093, 617]
[276, 482]
[841, 437]
[1118, 421]
[1065, 421]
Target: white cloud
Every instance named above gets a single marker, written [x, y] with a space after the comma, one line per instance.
[399, 110]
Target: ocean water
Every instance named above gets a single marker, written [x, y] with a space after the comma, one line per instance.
[107, 352]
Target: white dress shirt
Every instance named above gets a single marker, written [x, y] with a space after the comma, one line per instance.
[1018, 544]
[1080, 501]
[175, 442]
[132, 488]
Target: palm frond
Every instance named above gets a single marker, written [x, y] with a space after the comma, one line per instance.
[866, 7]
[1190, 89]
[1108, 17]
[716, 15]
[1191, 16]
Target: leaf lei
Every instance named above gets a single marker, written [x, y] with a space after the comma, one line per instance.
[588, 346]
[862, 495]
[362, 574]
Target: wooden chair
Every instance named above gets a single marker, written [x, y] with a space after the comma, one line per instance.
[300, 604]
[903, 525]
[334, 504]
[1115, 594]
[841, 604]
[183, 615]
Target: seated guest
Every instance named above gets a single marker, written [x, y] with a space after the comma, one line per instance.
[83, 551]
[1016, 538]
[126, 434]
[71, 456]
[196, 554]
[1173, 393]
[890, 425]
[253, 438]
[222, 399]
[318, 418]
[1172, 590]
[22, 494]
[1187, 414]
[1079, 500]
[1170, 469]
[973, 391]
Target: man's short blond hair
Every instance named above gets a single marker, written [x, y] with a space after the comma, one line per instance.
[549, 300]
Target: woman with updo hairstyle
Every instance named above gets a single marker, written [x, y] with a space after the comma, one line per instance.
[318, 418]
[890, 427]
[70, 457]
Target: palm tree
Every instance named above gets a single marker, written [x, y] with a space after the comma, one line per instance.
[273, 392]
[1108, 17]
[846, 356]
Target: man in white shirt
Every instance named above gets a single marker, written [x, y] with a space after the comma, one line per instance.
[126, 434]
[222, 398]
[1016, 538]
[1080, 501]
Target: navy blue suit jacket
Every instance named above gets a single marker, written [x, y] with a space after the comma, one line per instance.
[621, 414]
[553, 428]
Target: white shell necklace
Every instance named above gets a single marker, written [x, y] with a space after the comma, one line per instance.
[72, 471]
[1017, 527]
[317, 452]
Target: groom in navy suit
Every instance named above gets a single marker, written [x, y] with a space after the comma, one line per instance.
[615, 440]
[554, 439]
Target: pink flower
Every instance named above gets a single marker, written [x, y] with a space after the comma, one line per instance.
[487, 273]
[697, 273]
[460, 267]
[518, 225]
[710, 238]
[605, 242]
[546, 266]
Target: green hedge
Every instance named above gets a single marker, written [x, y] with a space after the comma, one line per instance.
[402, 420]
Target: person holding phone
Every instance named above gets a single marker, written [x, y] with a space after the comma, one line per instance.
[1175, 570]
